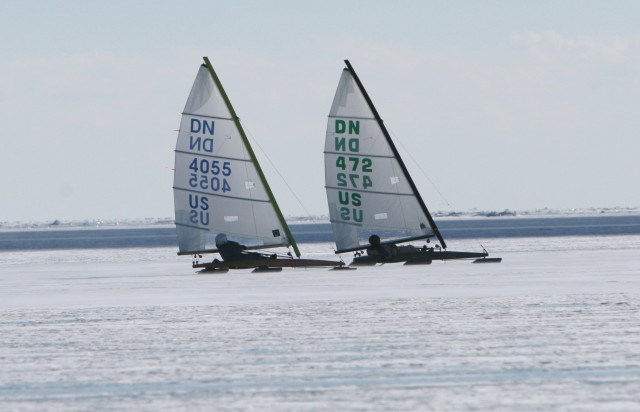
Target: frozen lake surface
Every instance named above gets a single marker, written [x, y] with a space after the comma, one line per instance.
[556, 326]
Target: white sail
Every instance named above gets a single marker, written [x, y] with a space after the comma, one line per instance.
[217, 187]
[368, 190]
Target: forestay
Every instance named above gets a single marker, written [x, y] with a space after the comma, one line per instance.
[368, 188]
[218, 185]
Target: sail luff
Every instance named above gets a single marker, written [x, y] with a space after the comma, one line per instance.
[252, 155]
[396, 154]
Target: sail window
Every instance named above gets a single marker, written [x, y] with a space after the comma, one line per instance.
[231, 218]
[395, 180]
[380, 216]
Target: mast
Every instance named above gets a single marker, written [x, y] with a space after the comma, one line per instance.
[252, 155]
[397, 155]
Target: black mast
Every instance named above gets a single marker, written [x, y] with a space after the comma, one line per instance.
[436, 231]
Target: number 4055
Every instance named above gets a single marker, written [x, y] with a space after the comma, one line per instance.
[205, 166]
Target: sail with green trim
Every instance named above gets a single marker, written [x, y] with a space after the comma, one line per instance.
[218, 184]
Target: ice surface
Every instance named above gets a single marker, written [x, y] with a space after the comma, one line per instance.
[556, 326]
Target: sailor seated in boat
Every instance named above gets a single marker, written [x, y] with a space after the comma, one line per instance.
[384, 252]
[233, 251]
[391, 252]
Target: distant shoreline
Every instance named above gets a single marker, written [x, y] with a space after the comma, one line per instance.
[61, 224]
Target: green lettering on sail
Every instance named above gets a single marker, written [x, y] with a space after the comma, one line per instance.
[342, 143]
[341, 126]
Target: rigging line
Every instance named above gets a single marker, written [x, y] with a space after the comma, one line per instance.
[313, 220]
[246, 173]
[465, 224]
[408, 152]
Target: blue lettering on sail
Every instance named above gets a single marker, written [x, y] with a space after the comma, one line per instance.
[199, 213]
[202, 126]
[200, 144]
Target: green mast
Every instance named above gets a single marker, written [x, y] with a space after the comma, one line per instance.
[236, 120]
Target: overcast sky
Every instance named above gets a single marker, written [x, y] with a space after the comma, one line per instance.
[502, 104]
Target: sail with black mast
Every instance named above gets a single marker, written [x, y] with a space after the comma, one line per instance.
[373, 202]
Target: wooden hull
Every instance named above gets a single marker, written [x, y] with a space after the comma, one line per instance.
[422, 258]
[267, 263]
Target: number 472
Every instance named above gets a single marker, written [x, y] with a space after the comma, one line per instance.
[365, 163]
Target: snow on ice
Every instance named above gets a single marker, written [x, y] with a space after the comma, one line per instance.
[555, 326]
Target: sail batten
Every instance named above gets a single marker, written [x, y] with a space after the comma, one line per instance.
[205, 116]
[246, 199]
[360, 155]
[369, 189]
[218, 185]
[217, 157]
[352, 117]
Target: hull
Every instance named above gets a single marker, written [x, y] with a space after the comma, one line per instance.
[421, 257]
[267, 263]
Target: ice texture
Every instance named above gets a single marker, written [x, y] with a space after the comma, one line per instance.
[556, 326]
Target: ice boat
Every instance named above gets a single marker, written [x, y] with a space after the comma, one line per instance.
[374, 206]
[223, 202]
